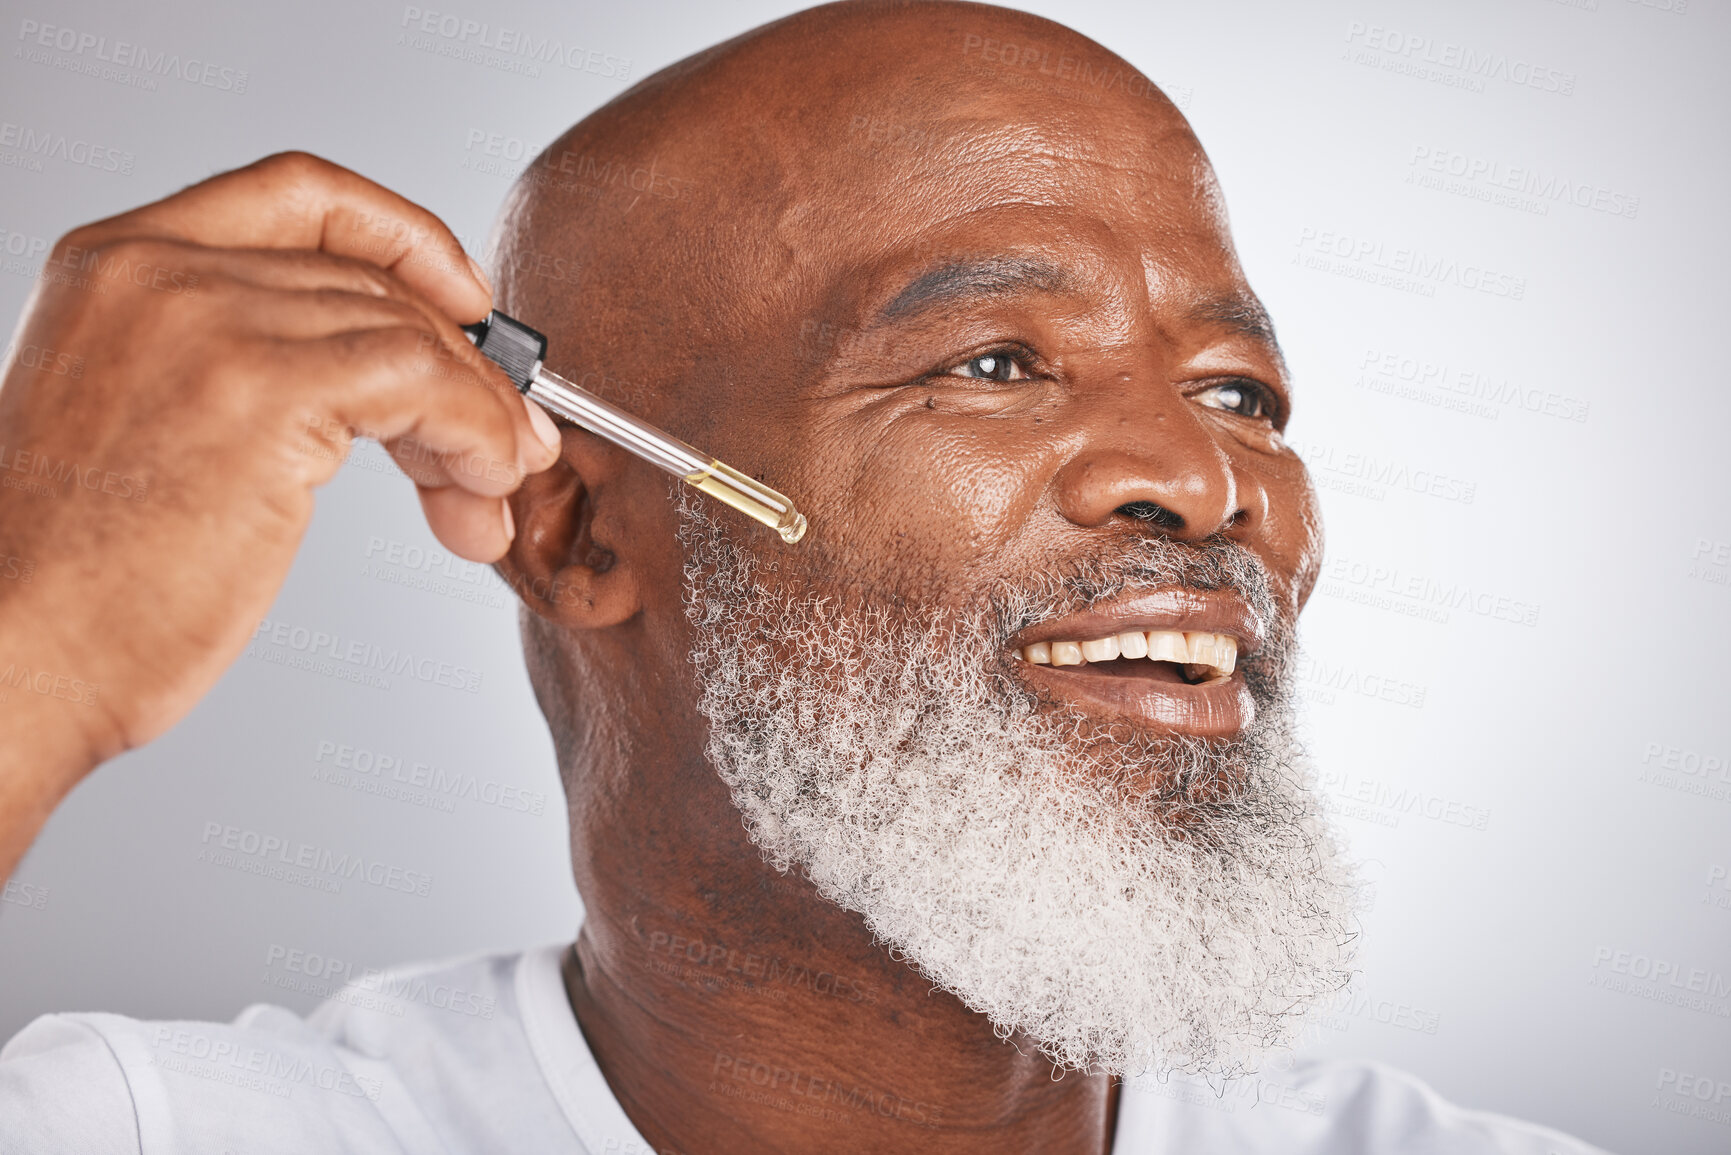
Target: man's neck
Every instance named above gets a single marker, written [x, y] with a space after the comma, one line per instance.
[721, 1036]
[733, 1009]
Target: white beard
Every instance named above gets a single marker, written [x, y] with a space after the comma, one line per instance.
[1127, 902]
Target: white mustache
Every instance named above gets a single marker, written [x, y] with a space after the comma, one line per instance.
[1150, 563]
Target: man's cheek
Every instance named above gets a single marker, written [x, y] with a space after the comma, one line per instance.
[1290, 538]
[935, 498]
[1306, 569]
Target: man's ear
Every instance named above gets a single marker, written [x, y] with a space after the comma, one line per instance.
[566, 562]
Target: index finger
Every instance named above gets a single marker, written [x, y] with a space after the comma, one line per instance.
[295, 200]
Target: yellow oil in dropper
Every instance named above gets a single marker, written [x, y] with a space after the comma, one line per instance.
[519, 351]
[716, 478]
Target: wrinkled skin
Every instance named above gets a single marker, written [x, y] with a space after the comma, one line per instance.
[753, 297]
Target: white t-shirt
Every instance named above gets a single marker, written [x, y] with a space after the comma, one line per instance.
[484, 1056]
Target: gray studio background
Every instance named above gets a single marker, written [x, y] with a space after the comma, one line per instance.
[1502, 296]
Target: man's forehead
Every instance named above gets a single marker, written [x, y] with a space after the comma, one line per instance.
[1013, 205]
[923, 283]
[993, 149]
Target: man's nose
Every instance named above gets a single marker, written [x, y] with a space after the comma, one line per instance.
[1158, 463]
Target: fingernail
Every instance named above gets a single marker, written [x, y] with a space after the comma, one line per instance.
[544, 427]
[510, 522]
[480, 274]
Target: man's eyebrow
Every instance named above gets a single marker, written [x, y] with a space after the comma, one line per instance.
[1239, 313]
[973, 277]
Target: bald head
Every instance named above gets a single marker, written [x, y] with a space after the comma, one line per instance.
[753, 188]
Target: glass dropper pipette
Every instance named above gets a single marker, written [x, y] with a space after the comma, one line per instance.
[519, 350]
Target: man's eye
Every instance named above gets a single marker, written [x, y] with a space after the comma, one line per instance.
[998, 366]
[1245, 398]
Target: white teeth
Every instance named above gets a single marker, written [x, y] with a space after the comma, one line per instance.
[1167, 646]
[1207, 658]
[1100, 650]
[1203, 650]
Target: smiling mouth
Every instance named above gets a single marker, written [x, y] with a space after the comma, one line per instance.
[1163, 658]
[1195, 658]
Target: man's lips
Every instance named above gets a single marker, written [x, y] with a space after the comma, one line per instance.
[1188, 684]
